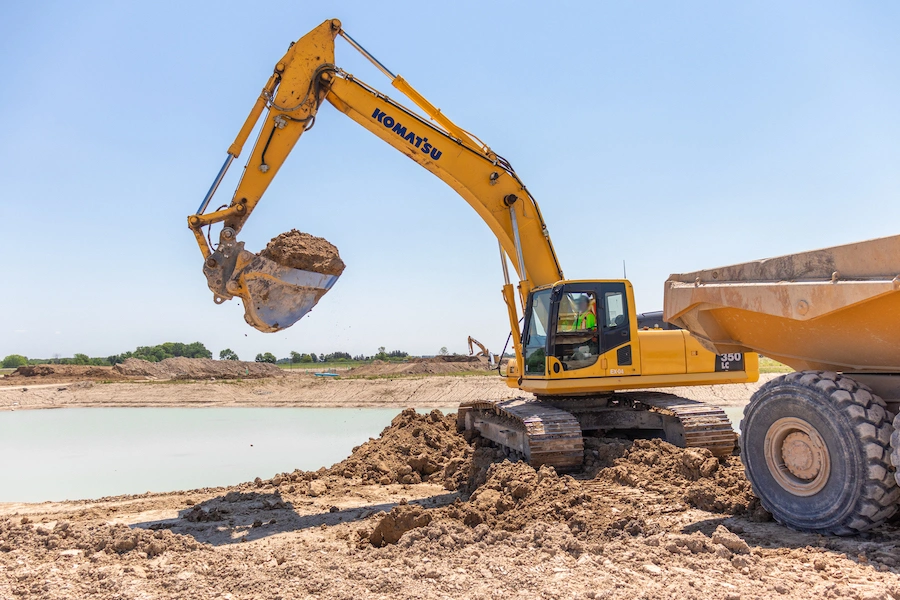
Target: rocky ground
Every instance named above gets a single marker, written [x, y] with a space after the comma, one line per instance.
[422, 512]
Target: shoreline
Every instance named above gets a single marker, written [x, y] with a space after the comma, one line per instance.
[430, 391]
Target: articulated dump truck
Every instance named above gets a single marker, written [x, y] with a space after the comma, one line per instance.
[821, 445]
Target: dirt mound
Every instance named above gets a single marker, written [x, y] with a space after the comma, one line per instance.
[197, 368]
[303, 251]
[423, 366]
[52, 373]
[414, 448]
[694, 474]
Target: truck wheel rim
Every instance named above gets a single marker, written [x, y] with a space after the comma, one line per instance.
[797, 456]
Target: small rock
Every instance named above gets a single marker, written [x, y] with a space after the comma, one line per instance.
[125, 544]
[139, 571]
[652, 569]
[731, 541]
[723, 552]
[741, 562]
[317, 488]
[156, 548]
[709, 466]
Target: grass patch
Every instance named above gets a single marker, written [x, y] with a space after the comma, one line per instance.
[768, 365]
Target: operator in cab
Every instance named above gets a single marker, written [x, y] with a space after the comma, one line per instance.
[586, 319]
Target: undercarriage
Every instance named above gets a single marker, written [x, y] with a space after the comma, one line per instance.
[550, 430]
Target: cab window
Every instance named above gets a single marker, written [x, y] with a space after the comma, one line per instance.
[536, 333]
[577, 343]
[615, 309]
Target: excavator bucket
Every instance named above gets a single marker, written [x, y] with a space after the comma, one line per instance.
[275, 295]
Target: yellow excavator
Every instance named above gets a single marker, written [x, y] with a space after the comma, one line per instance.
[591, 361]
[493, 359]
[582, 341]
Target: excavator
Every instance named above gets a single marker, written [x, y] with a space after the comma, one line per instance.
[494, 359]
[592, 363]
[581, 343]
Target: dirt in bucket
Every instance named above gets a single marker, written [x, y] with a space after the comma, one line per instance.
[303, 251]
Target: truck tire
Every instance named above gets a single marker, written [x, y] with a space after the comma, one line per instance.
[816, 449]
[895, 448]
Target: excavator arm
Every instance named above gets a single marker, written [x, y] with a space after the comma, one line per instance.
[275, 296]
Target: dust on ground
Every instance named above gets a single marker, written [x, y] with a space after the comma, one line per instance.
[303, 251]
[501, 530]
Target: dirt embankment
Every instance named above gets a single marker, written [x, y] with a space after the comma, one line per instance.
[38, 374]
[644, 520]
[197, 368]
[134, 369]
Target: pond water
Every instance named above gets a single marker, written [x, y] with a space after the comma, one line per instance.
[92, 452]
[77, 453]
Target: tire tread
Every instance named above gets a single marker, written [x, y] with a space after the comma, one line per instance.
[871, 421]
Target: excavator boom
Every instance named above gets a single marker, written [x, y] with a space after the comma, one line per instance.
[275, 296]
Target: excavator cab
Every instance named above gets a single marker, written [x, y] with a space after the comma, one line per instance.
[569, 326]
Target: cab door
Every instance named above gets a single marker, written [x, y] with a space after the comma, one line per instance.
[575, 340]
[615, 330]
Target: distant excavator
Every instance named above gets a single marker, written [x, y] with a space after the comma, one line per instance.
[494, 359]
[589, 358]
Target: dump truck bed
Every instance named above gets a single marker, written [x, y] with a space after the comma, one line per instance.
[836, 309]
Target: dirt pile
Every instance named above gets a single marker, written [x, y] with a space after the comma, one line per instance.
[55, 373]
[437, 365]
[197, 368]
[693, 474]
[413, 449]
[303, 251]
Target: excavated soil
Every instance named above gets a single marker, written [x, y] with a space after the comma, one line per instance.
[422, 366]
[197, 368]
[413, 449]
[631, 525]
[303, 251]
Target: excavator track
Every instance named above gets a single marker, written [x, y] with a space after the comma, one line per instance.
[542, 434]
[705, 426]
[549, 431]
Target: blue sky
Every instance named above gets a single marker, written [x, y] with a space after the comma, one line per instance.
[674, 136]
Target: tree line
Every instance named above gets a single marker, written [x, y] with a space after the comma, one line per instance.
[198, 350]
